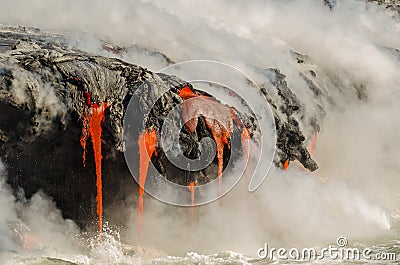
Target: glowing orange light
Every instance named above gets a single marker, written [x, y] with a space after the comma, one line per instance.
[93, 118]
[285, 165]
[147, 146]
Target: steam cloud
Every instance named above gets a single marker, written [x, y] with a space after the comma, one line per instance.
[355, 191]
[31, 224]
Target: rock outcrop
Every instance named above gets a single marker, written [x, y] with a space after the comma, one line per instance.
[44, 89]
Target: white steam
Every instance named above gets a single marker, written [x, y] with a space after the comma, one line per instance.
[355, 191]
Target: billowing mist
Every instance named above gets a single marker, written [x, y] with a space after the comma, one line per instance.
[354, 193]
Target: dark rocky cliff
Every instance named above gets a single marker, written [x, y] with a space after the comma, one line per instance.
[43, 83]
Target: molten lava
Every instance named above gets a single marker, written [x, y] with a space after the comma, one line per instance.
[285, 165]
[218, 118]
[191, 188]
[311, 145]
[245, 141]
[93, 118]
[147, 146]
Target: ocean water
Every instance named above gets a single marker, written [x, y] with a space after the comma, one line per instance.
[113, 252]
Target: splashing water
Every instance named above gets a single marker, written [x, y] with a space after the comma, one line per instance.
[147, 146]
[86, 126]
[245, 141]
[286, 165]
[312, 143]
[220, 132]
[310, 148]
[219, 120]
[93, 119]
[345, 46]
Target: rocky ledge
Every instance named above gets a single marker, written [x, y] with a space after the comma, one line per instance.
[50, 90]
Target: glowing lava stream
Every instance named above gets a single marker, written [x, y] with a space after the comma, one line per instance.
[93, 119]
[218, 119]
[311, 145]
[191, 188]
[245, 139]
[147, 146]
[310, 149]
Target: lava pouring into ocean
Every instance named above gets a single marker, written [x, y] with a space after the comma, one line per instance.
[191, 188]
[286, 165]
[93, 118]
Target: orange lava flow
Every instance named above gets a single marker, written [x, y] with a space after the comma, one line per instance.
[191, 188]
[245, 138]
[285, 165]
[95, 132]
[221, 137]
[186, 93]
[93, 119]
[147, 146]
[218, 119]
[86, 126]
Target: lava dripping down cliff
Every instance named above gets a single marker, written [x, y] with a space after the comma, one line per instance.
[46, 101]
